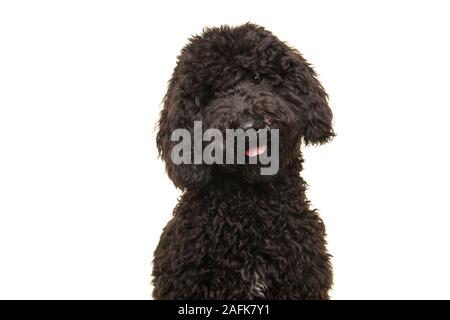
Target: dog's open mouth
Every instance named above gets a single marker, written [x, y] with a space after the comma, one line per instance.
[255, 151]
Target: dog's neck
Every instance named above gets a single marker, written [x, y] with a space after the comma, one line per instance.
[288, 178]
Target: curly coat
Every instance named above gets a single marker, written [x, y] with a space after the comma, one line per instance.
[236, 234]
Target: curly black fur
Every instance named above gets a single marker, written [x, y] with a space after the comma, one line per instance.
[236, 234]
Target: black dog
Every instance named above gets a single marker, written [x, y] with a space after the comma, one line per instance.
[236, 234]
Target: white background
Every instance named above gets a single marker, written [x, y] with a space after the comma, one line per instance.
[83, 197]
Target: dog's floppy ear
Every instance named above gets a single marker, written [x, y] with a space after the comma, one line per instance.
[179, 112]
[311, 101]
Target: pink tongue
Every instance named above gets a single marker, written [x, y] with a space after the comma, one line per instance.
[253, 152]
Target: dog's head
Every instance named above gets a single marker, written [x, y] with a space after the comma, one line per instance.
[242, 77]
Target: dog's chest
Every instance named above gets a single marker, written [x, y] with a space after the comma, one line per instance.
[250, 234]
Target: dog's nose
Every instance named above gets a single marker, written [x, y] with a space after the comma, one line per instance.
[251, 124]
[247, 124]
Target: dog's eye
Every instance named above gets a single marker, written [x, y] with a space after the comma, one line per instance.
[257, 78]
